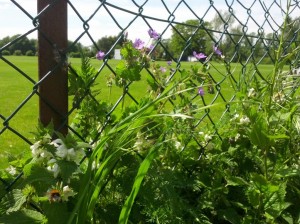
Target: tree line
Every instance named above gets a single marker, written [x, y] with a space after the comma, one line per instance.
[192, 35]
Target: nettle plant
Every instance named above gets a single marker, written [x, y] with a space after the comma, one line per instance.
[145, 167]
[69, 181]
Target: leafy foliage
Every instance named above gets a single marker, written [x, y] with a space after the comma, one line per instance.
[155, 165]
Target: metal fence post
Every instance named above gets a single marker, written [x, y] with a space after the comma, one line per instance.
[53, 90]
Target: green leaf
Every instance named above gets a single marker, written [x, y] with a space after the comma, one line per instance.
[13, 200]
[235, 181]
[24, 216]
[56, 212]
[253, 197]
[230, 215]
[258, 134]
[34, 173]
[260, 182]
[287, 217]
[143, 169]
[120, 68]
[67, 169]
[274, 202]
[288, 172]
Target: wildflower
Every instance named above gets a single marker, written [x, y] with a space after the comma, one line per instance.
[169, 63]
[218, 51]
[11, 170]
[201, 91]
[163, 69]
[278, 97]
[138, 44]
[53, 167]
[235, 117]
[35, 149]
[150, 48]
[153, 34]
[67, 192]
[251, 92]
[139, 144]
[63, 152]
[199, 55]
[237, 137]
[244, 120]
[207, 137]
[178, 145]
[100, 55]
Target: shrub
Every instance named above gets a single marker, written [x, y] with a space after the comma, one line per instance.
[29, 53]
[75, 55]
[5, 52]
[18, 52]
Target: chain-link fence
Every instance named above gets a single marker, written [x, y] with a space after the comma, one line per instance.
[247, 33]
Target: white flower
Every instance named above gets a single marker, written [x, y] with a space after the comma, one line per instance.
[35, 149]
[251, 92]
[178, 145]
[57, 142]
[62, 151]
[71, 155]
[235, 117]
[207, 137]
[95, 165]
[278, 97]
[67, 192]
[237, 137]
[45, 154]
[138, 144]
[244, 120]
[11, 170]
[53, 167]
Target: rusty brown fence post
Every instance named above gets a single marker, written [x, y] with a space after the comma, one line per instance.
[53, 88]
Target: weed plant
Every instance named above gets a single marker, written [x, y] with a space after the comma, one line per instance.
[154, 164]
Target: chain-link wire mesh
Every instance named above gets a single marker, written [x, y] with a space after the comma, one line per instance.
[247, 33]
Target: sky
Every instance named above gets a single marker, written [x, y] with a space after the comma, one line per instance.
[14, 21]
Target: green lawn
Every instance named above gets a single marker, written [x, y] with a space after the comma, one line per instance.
[15, 89]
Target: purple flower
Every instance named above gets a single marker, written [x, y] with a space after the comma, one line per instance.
[138, 44]
[153, 34]
[163, 69]
[199, 55]
[217, 50]
[169, 63]
[100, 55]
[201, 91]
[150, 48]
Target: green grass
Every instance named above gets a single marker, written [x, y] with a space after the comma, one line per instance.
[15, 89]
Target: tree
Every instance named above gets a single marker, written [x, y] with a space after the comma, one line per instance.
[222, 18]
[23, 44]
[200, 38]
[105, 44]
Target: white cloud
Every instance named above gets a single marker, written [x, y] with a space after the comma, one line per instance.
[13, 20]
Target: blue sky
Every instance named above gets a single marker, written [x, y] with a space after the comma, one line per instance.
[14, 21]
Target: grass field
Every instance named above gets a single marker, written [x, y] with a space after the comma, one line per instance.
[15, 88]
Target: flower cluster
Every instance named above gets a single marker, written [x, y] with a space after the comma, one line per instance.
[241, 120]
[60, 194]
[137, 44]
[47, 152]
